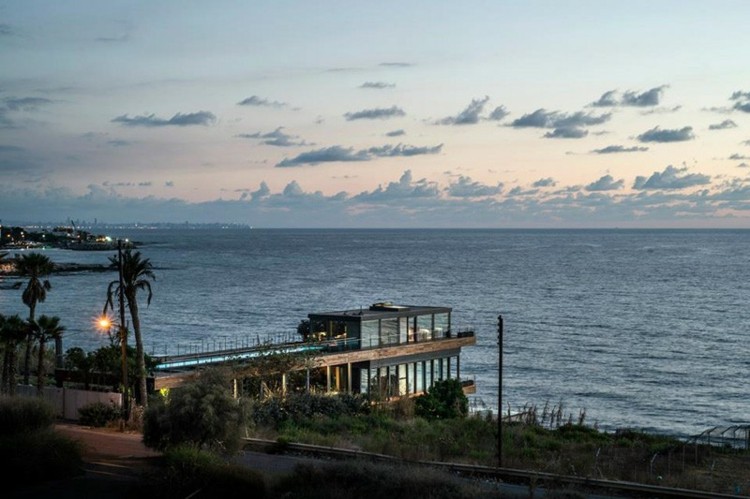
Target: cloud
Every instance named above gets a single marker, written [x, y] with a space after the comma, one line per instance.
[541, 118]
[468, 116]
[464, 187]
[403, 150]
[544, 182]
[256, 101]
[738, 157]
[658, 135]
[276, 138]
[723, 125]
[377, 85]
[570, 132]
[397, 64]
[342, 154]
[671, 178]
[25, 103]
[405, 189]
[169, 183]
[742, 101]
[630, 98]
[395, 133]
[188, 119]
[498, 113]
[605, 183]
[377, 113]
[325, 155]
[119, 143]
[6, 30]
[618, 149]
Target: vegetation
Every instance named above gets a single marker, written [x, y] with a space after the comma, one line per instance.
[35, 266]
[13, 331]
[98, 414]
[444, 400]
[30, 449]
[136, 273]
[44, 329]
[203, 414]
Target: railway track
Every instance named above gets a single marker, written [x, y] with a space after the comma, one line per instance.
[505, 475]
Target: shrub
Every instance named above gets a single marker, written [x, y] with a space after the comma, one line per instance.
[98, 414]
[22, 414]
[192, 472]
[445, 400]
[39, 455]
[203, 414]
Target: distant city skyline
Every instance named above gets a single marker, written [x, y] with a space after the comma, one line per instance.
[389, 114]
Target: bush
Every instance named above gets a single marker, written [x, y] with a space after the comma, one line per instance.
[300, 408]
[445, 400]
[39, 455]
[202, 414]
[191, 472]
[22, 414]
[98, 414]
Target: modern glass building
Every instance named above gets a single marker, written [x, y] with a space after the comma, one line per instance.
[388, 350]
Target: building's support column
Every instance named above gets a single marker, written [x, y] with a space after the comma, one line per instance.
[328, 379]
[349, 377]
[283, 385]
[234, 388]
[458, 367]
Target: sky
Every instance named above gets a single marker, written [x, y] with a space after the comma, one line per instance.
[498, 114]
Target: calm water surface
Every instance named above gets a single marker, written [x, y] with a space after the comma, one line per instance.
[643, 329]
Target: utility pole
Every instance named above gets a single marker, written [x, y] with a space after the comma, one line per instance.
[123, 336]
[500, 391]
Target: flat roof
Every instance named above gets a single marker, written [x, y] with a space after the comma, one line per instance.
[381, 311]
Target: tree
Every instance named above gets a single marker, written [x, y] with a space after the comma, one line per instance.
[45, 329]
[13, 330]
[35, 266]
[136, 272]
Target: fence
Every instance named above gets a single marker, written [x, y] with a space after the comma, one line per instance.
[67, 401]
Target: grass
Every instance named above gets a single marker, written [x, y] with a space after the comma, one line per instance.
[560, 446]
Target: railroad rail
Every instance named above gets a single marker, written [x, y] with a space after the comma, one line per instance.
[534, 479]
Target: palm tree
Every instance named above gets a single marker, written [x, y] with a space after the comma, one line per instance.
[13, 330]
[136, 272]
[35, 266]
[45, 328]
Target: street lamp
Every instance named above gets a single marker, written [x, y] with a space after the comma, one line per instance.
[105, 324]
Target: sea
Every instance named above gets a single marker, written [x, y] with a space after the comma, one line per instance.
[635, 329]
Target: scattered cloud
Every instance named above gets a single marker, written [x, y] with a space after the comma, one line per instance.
[25, 103]
[738, 157]
[344, 154]
[405, 189]
[614, 149]
[657, 134]
[605, 183]
[465, 187]
[613, 98]
[377, 85]
[169, 183]
[188, 119]
[374, 114]
[723, 125]
[468, 116]
[6, 30]
[397, 64]
[276, 138]
[256, 101]
[541, 118]
[741, 101]
[544, 182]
[671, 178]
[395, 133]
[498, 113]
[119, 143]
[570, 132]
